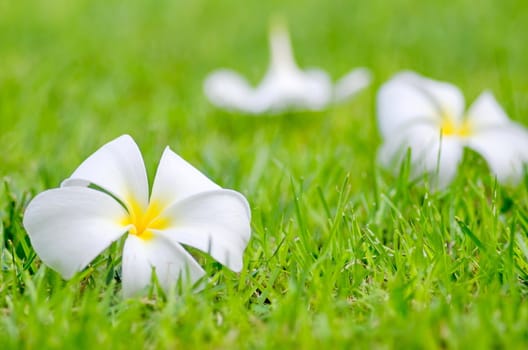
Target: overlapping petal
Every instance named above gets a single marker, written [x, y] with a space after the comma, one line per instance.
[395, 148]
[446, 97]
[486, 113]
[216, 222]
[281, 89]
[169, 261]
[284, 87]
[502, 142]
[505, 148]
[429, 154]
[408, 98]
[407, 108]
[442, 161]
[118, 168]
[176, 179]
[70, 226]
[295, 89]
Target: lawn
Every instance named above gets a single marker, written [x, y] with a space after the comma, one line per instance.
[343, 254]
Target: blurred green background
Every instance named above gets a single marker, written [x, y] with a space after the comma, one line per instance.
[341, 254]
[76, 74]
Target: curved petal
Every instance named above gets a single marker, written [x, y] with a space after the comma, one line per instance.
[486, 112]
[68, 227]
[505, 149]
[216, 222]
[228, 89]
[284, 87]
[419, 138]
[170, 262]
[281, 52]
[430, 154]
[446, 157]
[116, 167]
[176, 179]
[446, 97]
[281, 91]
[352, 83]
[408, 98]
[317, 91]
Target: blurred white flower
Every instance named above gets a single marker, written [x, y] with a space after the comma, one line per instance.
[284, 87]
[428, 117]
[108, 196]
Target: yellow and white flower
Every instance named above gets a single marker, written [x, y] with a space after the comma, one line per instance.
[428, 117]
[284, 87]
[108, 196]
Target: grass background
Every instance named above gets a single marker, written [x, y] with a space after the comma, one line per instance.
[342, 253]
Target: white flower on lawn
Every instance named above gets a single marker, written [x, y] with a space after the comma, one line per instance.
[284, 87]
[108, 196]
[428, 117]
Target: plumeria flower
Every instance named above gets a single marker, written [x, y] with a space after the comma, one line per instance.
[428, 117]
[108, 197]
[284, 87]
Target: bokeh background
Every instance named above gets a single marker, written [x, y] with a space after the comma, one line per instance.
[342, 253]
[76, 74]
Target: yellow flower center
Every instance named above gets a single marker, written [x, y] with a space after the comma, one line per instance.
[144, 221]
[450, 127]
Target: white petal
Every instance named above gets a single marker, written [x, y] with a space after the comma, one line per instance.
[447, 97]
[505, 149]
[176, 179]
[229, 90]
[216, 222]
[116, 167]
[448, 155]
[409, 98]
[485, 112]
[280, 48]
[352, 83]
[170, 261]
[284, 87]
[439, 158]
[318, 90]
[70, 226]
[294, 90]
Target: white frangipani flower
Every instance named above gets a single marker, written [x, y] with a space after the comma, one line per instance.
[428, 117]
[108, 196]
[284, 87]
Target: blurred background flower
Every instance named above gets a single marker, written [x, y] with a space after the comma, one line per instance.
[285, 87]
[428, 119]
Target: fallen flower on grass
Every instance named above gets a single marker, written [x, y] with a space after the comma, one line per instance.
[108, 196]
[284, 87]
[428, 117]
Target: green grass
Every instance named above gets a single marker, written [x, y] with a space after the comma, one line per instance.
[342, 253]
